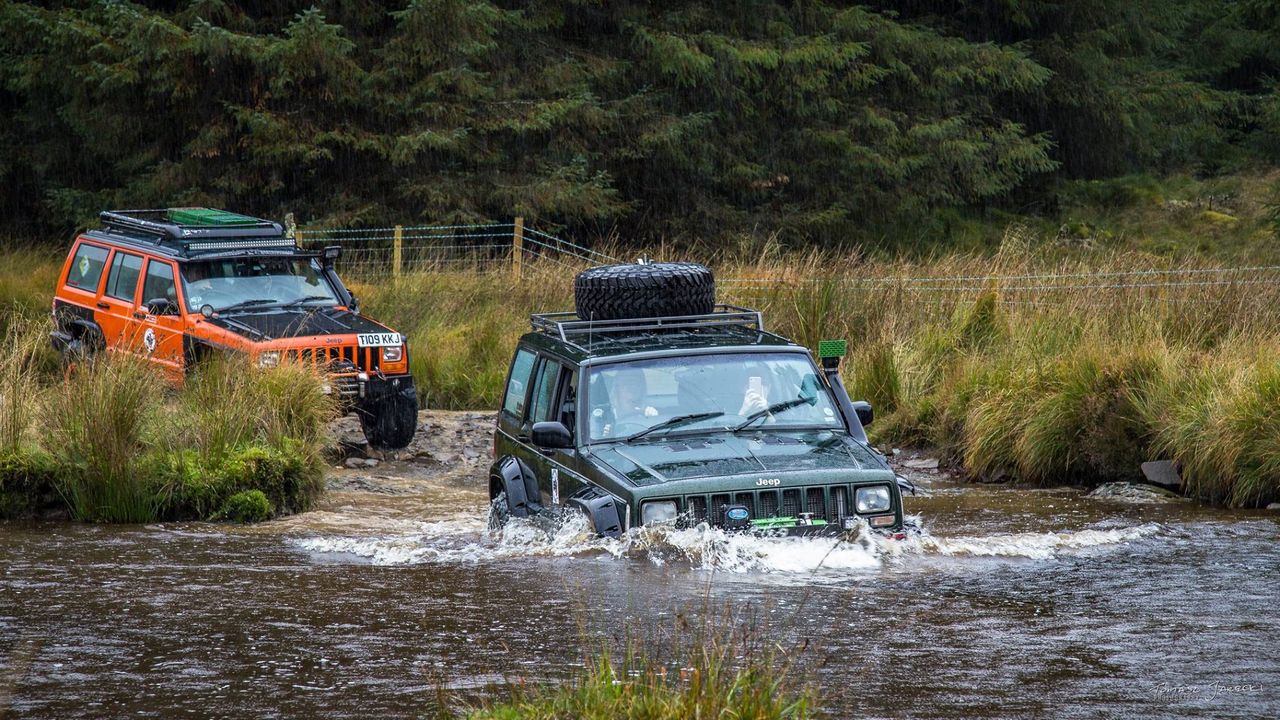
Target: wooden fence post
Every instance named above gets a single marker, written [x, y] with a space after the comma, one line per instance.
[297, 237]
[397, 243]
[517, 248]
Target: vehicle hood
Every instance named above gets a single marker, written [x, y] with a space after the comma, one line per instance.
[260, 325]
[725, 454]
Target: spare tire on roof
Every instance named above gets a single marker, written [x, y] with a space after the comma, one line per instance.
[633, 290]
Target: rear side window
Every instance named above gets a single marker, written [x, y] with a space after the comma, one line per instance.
[159, 284]
[518, 383]
[86, 267]
[544, 393]
[122, 281]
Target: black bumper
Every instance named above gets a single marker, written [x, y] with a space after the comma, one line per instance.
[378, 390]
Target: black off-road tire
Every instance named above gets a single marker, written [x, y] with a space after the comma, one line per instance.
[499, 512]
[391, 423]
[615, 292]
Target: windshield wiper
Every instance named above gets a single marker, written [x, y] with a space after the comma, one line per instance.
[305, 299]
[674, 422]
[774, 408]
[247, 303]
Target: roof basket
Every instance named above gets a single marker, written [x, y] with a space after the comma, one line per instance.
[565, 325]
[194, 228]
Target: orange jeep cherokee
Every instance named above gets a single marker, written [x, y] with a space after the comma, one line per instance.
[178, 285]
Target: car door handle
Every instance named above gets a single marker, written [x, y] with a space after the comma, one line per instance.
[522, 438]
[103, 306]
[139, 315]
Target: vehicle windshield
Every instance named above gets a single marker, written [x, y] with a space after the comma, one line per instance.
[255, 282]
[625, 399]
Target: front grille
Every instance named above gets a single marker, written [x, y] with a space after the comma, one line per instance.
[790, 503]
[769, 503]
[815, 502]
[830, 503]
[339, 359]
[839, 503]
[696, 506]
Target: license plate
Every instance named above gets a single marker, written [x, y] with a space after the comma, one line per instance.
[378, 339]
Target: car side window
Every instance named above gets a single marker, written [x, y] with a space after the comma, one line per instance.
[122, 281]
[159, 285]
[544, 393]
[86, 267]
[518, 383]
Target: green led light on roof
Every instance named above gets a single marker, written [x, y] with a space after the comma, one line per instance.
[208, 217]
[832, 348]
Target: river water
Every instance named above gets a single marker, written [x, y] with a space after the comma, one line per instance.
[1013, 603]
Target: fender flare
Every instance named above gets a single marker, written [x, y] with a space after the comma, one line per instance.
[605, 512]
[88, 333]
[513, 477]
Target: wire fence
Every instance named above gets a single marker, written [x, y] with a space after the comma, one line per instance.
[385, 252]
[395, 250]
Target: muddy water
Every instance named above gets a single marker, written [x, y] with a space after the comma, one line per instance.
[1014, 603]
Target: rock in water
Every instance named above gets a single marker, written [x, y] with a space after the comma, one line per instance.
[1163, 473]
[1134, 493]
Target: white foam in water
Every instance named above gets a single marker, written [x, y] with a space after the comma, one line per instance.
[1036, 546]
[465, 539]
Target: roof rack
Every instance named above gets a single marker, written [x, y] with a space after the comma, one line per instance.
[567, 324]
[199, 229]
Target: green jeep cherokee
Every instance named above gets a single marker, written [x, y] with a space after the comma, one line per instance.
[697, 418]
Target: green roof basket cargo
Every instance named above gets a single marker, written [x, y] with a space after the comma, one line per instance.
[209, 217]
[198, 229]
[832, 348]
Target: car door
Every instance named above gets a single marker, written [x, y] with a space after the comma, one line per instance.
[162, 322]
[117, 304]
[551, 399]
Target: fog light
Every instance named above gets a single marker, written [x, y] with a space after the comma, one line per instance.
[872, 499]
[737, 516]
[658, 512]
[269, 359]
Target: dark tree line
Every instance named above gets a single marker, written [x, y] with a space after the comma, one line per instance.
[825, 120]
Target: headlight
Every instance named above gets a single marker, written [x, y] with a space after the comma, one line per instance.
[269, 359]
[392, 353]
[872, 499]
[658, 512]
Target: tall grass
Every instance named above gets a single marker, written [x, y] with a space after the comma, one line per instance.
[1042, 368]
[100, 423]
[706, 673]
[112, 442]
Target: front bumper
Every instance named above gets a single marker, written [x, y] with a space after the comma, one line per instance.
[362, 390]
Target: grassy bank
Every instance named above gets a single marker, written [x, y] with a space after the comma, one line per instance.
[702, 672]
[112, 444]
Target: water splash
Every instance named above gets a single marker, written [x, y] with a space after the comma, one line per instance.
[466, 539]
[1035, 546]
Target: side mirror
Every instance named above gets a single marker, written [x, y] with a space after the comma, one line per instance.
[162, 306]
[551, 436]
[864, 411]
[353, 304]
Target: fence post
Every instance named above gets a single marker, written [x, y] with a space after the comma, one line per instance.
[517, 248]
[297, 237]
[395, 251]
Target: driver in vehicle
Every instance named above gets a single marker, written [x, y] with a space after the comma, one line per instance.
[629, 401]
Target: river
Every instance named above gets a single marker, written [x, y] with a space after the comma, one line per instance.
[1013, 603]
